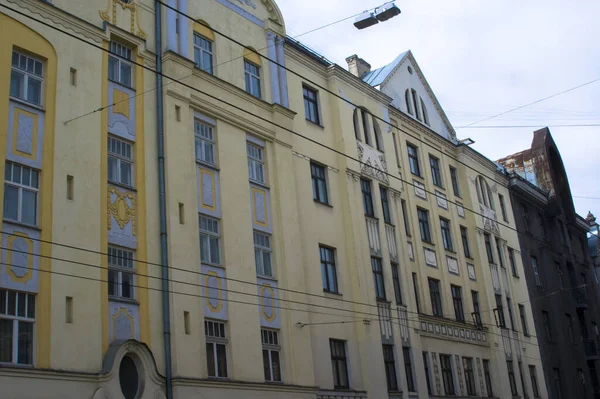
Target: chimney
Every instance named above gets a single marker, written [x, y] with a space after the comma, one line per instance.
[357, 66]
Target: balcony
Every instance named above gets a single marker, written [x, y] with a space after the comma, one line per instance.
[373, 233]
[590, 347]
[581, 298]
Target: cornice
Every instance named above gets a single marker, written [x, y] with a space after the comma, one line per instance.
[306, 60]
[336, 71]
[60, 17]
[448, 146]
[486, 163]
[245, 385]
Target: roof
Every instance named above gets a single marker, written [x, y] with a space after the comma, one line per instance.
[377, 77]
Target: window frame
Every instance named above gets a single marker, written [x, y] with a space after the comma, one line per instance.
[437, 308]
[424, 228]
[413, 160]
[447, 374]
[476, 308]
[405, 217]
[488, 247]
[454, 180]
[339, 358]
[219, 340]
[200, 52]
[252, 79]
[271, 344]
[27, 76]
[32, 187]
[256, 163]
[464, 236]
[417, 293]
[205, 142]
[510, 313]
[511, 378]
[500, 252]
[367, 195]
[122, 55]
[121, 159]
[500, 311]
[534, 381]
[389, 363]
[408, 369]
[320, 191]
[210, 235]
[502, 207]
[536, 272]
[513, 262]
[378, 278]
[26, 317]
[260, 249]
[326, 266]
[436, 172]
[547, 325]
[385, 204]
[311, 102]
[487, 377]
[457, 301]
[469, 376]
[396, 282]
[427, 371]
[446, 231]
[124, 255]
[523, 318]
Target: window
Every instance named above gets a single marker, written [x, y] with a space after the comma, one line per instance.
[210, 240]
[447, 377]
[458, 302]
[510, 313]
[536, 274]
[271, 349]
[17, 318]
[252, 75]
[502, 207]
[416, 289]
[469, 376]
[256, 162]
[120, 69]
[446, 234]
[424, 225]
[484, 193]
[436, 297]
[216, 348]
[205, 142]
[413, 160]
[526, 217]
[262, 254]
[559, 273]
[500, 311]
[500, 253]
[523, 320]
[121, 272]
[534, 382]
[476, 308]
[396, 149]
[390, 367]
[365, 126]
[328, 272]
[129, 378]
[120, 161]
[203, 53]
[365, 186]
[385, 205]
[488, 247]
[436, 176]
[525, 394]
[570, 328]
[464, 235]
[21, 188]
[405, 218]
[410, 380]
[378, 278]
[454, 178]
[319, 183]
[311, 105]
[338, 363]
[26, 78]
[488, 377]
[415, 103]
[556, 383]
[427, 378]
[409, 106]
[547, 326]
[511, 378]
[512, 261]
[425, 114]
[396, 281]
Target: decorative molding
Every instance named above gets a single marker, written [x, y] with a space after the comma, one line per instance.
[489, 219]
[420, 189]
[240, 11]
[120, 210]
[460, 210]
[306, 158]
[372, 162]
[459, 367]
[134, 18]
[451, 330]
[442, 202]
[471, 271]
[480, 374]
[452, 265]
[436, 372]
[352, 174]
[430, 257]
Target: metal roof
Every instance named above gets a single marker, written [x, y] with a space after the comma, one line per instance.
[376, 77]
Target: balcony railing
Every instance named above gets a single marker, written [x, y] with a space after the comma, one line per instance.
[590, 348]
[373, 233]
[581, 297]
[390, 232]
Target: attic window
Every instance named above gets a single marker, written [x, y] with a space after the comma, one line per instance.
[410, 70]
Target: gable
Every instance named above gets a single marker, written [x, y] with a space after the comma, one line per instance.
[257, 11]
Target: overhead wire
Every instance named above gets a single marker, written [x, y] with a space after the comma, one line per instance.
[530, 126]
[340, 153]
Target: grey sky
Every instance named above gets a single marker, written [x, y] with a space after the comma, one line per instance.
[483, 57]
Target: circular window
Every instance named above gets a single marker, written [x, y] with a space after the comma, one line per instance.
[410, 69]
[129, 378]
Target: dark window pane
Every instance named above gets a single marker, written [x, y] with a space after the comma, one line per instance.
[266, 365]
[21, 306]
[276, 366]
[31, 306]
[210, 359]
[11, 202]
[12, 303]
[222, 360]
[128, 378]
[25, 345]
[6, 340]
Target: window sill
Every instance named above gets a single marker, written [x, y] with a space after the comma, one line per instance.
[208, 165]
[265, 277]
[257, 183]
[332, 294]
[315, 123]
[122, 85]
[123, 300]
[16, 365]
[439, 187]
[27, 103]
[323, 203]
[17, 223]
[125, 186]
[469, 258]
[450, 251]
[383, 301]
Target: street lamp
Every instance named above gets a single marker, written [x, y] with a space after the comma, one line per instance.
[379, 14]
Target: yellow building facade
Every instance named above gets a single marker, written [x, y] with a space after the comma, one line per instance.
[308, 231]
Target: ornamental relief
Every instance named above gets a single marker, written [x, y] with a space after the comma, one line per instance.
[121, 207]
[372, 162]
[110, 15]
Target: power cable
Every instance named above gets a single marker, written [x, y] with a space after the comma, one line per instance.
[531, 126]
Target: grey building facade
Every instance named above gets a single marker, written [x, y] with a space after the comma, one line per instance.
[560, 276]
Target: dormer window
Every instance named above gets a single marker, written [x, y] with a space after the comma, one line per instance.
[366, 128]
[415, 106]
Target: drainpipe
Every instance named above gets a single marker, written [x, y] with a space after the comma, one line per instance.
[162, 201]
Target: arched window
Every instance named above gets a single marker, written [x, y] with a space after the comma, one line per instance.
[408, 102]
[356, 124]
[129, 378]
[364, 124]
[424, 111]
[415, 99]
[484, 193]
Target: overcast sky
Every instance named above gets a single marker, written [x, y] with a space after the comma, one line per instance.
[483, 57]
